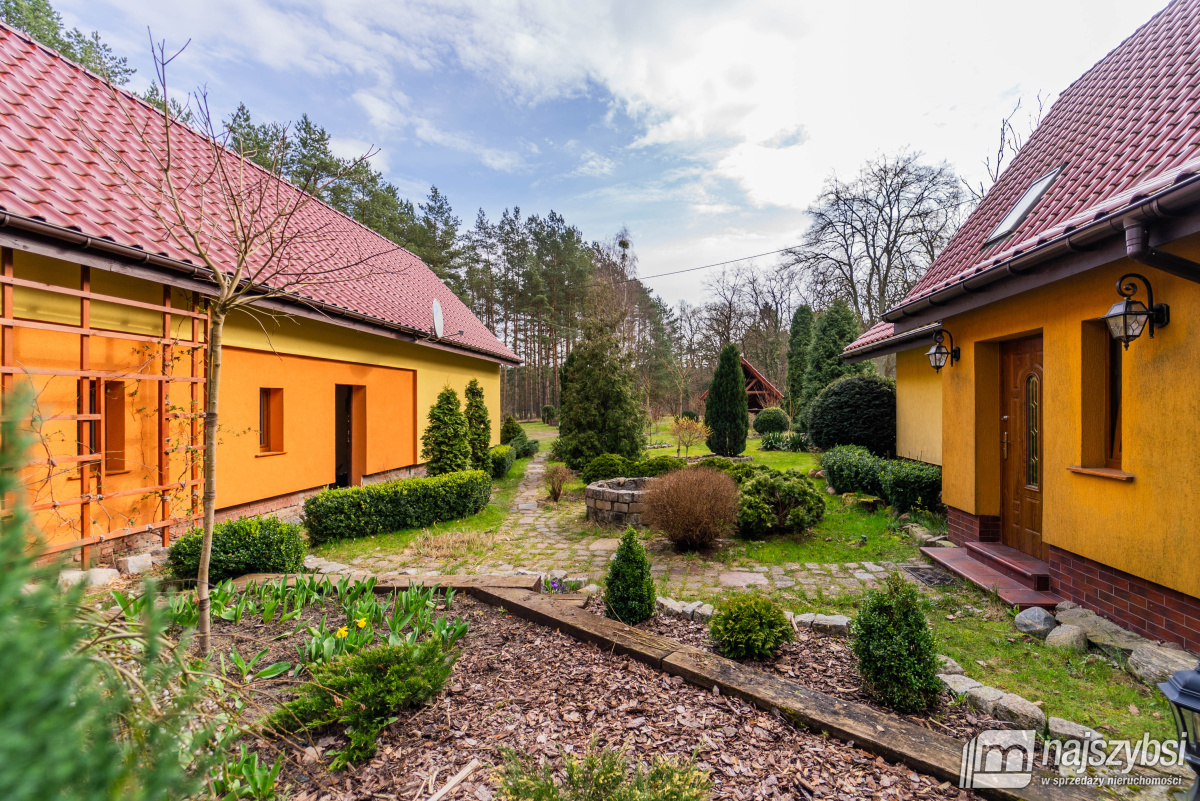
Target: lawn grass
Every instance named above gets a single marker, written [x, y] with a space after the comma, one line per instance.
[536, 429]
[490, 518]
[835, 540]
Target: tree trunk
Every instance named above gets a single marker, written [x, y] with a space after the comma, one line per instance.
[215, 330]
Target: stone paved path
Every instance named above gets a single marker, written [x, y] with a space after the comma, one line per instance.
[542, 536]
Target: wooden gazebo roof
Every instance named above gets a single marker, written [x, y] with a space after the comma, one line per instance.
[762, 393]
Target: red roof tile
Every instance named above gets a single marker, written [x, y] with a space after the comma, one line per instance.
[54, 114]
[1128, 127]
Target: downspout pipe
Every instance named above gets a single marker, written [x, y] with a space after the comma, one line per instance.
[1138, 248]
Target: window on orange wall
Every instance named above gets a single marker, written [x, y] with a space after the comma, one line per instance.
[270, 420]
[1112, 405]
[114, 427]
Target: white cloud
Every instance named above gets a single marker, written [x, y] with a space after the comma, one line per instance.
[594, 165]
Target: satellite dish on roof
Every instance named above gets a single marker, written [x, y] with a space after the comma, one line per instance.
[437, 319]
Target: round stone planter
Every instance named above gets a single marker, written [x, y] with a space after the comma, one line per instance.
[616, 502]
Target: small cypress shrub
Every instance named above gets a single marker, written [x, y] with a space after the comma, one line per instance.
[897, 657]
[855, 410]
[799, 338]
[727, 413]
[749, 627]
[502, 458]
[774, 504]
[602, 468]
[629, 590]
[479, 426]
[245, 545]
[445, 445]
[510, 430]
[832, 330]
[771, 420]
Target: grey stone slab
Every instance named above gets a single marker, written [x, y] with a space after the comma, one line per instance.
[1035, 621]
[1015, 709]
[1061, 729]
[958, 684]
[831, 624]
[1100, 632]
[949, 666]
[1154, 664]
[983, 699]
[1068, 638]
[737, 578]
[138, 563]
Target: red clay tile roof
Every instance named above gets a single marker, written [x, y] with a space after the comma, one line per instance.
[1128, 127]
[53, 114]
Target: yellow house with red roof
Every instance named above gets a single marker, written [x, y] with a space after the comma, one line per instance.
[1066, 315]
[103, 317]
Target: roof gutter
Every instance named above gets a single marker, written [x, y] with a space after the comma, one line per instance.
[1162, 205]
[205, 275]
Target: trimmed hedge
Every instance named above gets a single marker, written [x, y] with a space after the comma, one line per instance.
[855, 410]
[896, 650]
[549, 415]
[602, 468]
[771, 420]
[502, 458]
[905, 484]
[394, 505]
[851, 468]
[658, 465]
[245, 545]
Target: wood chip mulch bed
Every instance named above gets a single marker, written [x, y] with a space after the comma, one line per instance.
[522, 686]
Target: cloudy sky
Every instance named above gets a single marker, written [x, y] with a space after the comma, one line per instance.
[705, 127]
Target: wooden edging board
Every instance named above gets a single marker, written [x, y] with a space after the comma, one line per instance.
[391, 583]
[888, 736]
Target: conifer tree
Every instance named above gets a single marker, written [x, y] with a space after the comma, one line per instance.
[727, 412]
[833, 330]
[479, 426]
[797, 357]
[445, 446]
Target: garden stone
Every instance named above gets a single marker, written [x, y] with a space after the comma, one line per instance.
[703, 614]
[1061, 729]
[1065, 606]
[607, 544]
[1154, 664]
[949, 666]
[1068, 638]
[160, 556]
[919, 533]
[332, 567]
[139, 563]
[983, 699]
[805, 620]
[831, 624]
[690, 609]
[830, 490]
[1015, 709]
[738, 578]
[957, 683]
[1035, 621]
[591, 589]
[669, 606]
[557, 575]
[943, 543]
[1102, 633]
[69, 578]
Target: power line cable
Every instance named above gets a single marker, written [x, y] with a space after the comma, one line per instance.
[705, 267]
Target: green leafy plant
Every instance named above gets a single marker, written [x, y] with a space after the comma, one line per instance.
[690, 415]
[774, 441]
[246, 667]
[799, 442]
[694, 508]
[773, 504]
[502, 458]
[607, 466]
[771, 420]
[749, 627]
[657, 466]
[601, 775]
[908, 485]
[852, 468]
[445, 445]
[629, 591]
[393, 505]
[855, 410]
[363, 692]
[524, 446]
[244, 777]
[897, 656]
[726, 411]
[479, 426]
[246, 545]
[510, 430]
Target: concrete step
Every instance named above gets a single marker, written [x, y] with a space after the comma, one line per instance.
[1012, 591]
[1029, 570]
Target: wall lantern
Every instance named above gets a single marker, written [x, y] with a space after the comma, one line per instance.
[1183, 691]
[1128, 317]
[939, 354]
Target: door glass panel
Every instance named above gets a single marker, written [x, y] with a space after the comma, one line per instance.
[1031, 434]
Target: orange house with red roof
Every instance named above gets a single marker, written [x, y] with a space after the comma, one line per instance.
[1066, 417]
[103, 318]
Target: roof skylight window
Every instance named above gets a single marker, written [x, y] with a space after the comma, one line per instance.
[1028, 200]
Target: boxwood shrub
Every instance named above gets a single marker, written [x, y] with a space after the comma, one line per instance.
[855, 410]
[245, 545]
[907, 485]
[658, 465]
[897, 655]
[771, 420]
[775, 504]
[749, 627]
[607, 466]
[502, 458]
[393, 505]
[851, 468]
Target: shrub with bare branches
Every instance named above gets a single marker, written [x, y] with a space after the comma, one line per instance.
[692, 507]
[557, 476]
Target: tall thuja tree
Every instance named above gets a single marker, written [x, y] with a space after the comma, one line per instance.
[479, 425]
[727, 412]
[797, 357]
[600, 412]
[834, 329]
[445, 445]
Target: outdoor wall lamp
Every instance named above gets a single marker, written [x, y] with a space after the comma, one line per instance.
[939, 353]
[1128, 317]
[1183, 691]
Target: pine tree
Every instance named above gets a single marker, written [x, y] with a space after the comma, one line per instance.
[39, 19]
[833, 330]
[445, 445]
[797, 356]
[599, 412]
[479, 426]
[727, 412]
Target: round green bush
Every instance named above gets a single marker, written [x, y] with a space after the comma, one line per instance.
[501, 461]
[771, 420]
[549, 415]
[775, 504]
[855, 410]
[629, 589]
[689, 414]
[602, 468]
[908, 485]
[897, 656]
[852, 468]
[749, 627]
[657, 466]
[245, 545]
[510, 430]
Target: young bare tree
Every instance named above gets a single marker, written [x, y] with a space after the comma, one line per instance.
[1010, 143]
[873, 237]
[250, 232]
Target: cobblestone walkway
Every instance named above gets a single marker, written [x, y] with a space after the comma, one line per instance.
[542, 536]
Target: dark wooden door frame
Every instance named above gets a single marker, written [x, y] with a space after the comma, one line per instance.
[1022, 468]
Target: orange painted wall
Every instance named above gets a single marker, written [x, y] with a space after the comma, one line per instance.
[308, 422]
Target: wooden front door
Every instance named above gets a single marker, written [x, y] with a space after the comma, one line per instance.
[1021, 474]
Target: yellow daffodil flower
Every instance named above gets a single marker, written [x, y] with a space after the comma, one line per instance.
[342, 632]
[362, 621]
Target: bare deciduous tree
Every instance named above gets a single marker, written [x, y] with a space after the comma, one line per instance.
[1010, 143]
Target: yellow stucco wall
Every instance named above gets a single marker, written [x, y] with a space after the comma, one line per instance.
[918, 407]
[1147, 526]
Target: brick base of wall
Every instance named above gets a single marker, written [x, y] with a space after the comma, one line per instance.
[965, 527]
[1141, 606]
